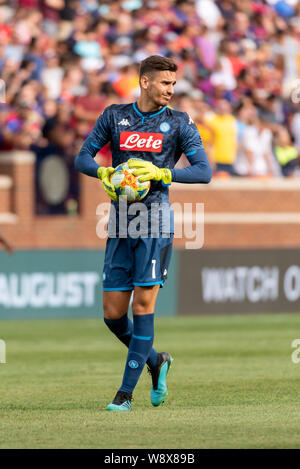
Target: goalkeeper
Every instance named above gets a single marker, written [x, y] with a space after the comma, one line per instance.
[151, 131]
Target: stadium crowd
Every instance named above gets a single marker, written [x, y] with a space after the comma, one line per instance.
[63, 61]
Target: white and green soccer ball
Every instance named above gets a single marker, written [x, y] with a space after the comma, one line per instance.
[127, 185]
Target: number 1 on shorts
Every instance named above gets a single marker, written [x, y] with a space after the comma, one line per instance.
[153, 268]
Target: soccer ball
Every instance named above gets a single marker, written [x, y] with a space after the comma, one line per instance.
[127, 185]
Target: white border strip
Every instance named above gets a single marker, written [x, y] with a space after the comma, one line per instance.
[234, 183]
[241, 218]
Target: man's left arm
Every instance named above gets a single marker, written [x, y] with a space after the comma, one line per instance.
[191, 145]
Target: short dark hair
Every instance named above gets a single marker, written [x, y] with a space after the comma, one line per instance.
[157, 63]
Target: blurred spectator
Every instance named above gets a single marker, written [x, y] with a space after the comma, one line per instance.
[209, 12]
[126, 83]
[51, 15]
[91, 104]
[52, 75]
[205, 131]
[224, 130]
[244, 114]
[257, 148]
[295, 129]
[285, 152]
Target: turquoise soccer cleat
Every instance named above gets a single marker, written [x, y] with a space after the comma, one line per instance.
[159, 389]
[121, 402]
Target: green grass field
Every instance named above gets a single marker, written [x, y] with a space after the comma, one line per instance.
[232, 385]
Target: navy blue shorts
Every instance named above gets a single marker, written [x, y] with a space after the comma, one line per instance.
[138, 262]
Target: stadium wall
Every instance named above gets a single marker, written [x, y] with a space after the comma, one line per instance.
[239, 281]
[238, 212]
[67, 283]
[246, 258]
[63, 283]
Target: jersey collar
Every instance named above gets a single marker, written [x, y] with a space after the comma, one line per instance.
[147, 114]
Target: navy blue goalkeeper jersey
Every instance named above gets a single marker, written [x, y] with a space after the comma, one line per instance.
[160, 137]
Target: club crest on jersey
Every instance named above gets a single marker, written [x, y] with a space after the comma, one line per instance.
[141, 141]
[164, 127]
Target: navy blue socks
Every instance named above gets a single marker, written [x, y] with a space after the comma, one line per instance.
[139, 350]
[123, 328]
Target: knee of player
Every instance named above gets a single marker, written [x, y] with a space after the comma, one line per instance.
[110, 311]
[141, 307]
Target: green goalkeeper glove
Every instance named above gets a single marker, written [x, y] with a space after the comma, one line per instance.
[104, 174]
[146, 171]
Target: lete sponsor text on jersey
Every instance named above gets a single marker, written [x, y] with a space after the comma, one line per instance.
[138, 141]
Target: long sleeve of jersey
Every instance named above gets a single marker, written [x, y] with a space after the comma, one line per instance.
[100, 135]
[191, 145]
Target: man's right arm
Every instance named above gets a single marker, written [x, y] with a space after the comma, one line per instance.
[100, 135]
